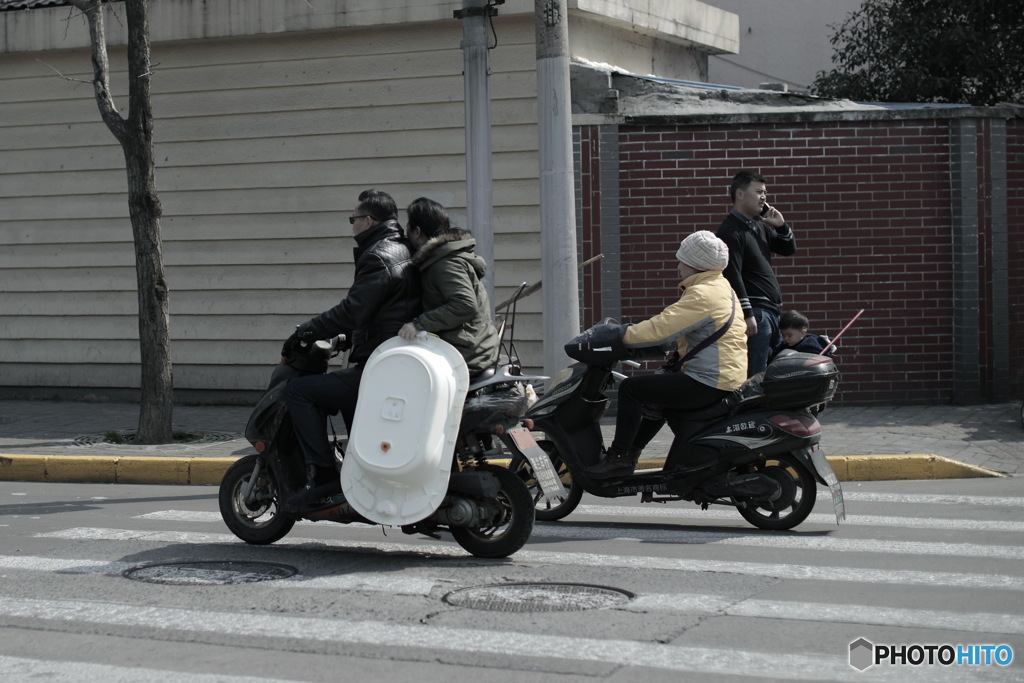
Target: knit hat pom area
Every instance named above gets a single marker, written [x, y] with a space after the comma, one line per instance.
[703, 251]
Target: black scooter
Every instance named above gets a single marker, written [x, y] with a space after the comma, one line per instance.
[763, 438]
[486, 508]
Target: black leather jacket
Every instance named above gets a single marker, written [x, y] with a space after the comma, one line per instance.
[385, 293]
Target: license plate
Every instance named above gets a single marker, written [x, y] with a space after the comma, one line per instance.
[829, 475]
[547, 478]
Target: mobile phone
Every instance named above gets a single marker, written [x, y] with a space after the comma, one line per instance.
[766, 209]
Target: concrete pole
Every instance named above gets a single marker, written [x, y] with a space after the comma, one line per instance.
[561, 319]
[479, 177]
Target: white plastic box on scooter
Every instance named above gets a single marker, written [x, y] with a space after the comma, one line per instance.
[399, 456]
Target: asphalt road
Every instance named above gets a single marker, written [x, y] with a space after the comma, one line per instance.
[616, 592]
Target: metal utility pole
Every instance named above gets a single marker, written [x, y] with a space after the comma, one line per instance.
[475, 15]
[557, 183]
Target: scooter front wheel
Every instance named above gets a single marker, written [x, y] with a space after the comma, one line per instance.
[546, 510]
[258, 519]
[509, 530]
[799, 491]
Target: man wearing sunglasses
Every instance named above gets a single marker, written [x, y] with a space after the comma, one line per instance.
[384, 294]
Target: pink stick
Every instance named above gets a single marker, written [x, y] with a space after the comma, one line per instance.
[833, 342]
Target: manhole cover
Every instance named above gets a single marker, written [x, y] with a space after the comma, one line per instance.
[210, 573]
[538, 597]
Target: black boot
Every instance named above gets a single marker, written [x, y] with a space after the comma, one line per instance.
[615, 464]
[321, 482]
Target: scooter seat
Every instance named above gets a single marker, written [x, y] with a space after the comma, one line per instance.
[475, 381]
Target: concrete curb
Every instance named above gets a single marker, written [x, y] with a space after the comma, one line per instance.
[113, 469]
[210, 470]
[892, 467]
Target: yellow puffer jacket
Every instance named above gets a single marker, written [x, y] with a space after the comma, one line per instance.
[707, 302]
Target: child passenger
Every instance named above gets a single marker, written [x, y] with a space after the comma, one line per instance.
[794, 326]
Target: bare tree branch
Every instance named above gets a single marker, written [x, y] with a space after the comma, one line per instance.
[101, 68]
[61, 75]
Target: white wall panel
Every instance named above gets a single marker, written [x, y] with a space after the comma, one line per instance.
[271, 117]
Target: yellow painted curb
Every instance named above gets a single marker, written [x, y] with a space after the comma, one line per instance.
[143, 470]
[910, 466]
[23, 467]
[210, 471]
[80, 468]
[113, 469]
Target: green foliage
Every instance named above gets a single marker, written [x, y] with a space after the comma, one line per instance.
[113, 437]
[955, 51]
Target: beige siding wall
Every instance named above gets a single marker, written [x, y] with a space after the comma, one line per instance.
[271, 116]
[263, 144]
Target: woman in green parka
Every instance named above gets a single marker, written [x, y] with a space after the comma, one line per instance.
[455, 303]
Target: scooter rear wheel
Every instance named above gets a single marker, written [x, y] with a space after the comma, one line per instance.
[799, 491]
[259, 521]
[547, 511]
[511, 529]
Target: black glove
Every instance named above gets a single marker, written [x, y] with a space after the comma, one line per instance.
[673, 363]
[291, 345]
[304, 335]
[307, 332]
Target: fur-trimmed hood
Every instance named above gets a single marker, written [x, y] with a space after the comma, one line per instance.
[455, 302]
[455, 242]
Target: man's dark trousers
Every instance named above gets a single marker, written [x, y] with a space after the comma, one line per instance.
[311, 399]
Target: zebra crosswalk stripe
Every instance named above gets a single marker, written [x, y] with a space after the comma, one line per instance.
[388, 634]
[660, 602]
[205, 625]
[27, 669]
[780, 570]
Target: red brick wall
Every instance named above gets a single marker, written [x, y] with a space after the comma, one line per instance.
[590, 213]
[1015, 224]
[870, 204]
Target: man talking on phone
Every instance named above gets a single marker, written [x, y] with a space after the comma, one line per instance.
[754, 231]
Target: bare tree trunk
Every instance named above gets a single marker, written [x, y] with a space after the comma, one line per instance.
[136, 137]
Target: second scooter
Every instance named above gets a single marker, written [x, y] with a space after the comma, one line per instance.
[763, 438]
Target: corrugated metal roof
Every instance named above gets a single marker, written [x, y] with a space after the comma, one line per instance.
[11, 5]
[28, 4]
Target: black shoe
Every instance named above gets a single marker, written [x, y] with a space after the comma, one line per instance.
[614, 465]
[321, 482]
[329, 507]
[310, 496]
